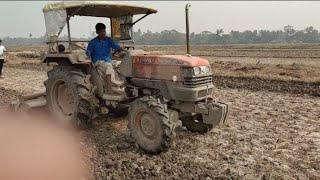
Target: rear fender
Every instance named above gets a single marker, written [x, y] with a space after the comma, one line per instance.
[80, 60]
[69, 58]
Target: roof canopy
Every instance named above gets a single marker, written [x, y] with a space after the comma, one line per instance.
[97, 8]
[56, 14]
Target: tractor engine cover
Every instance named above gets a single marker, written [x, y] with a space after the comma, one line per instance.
[158, 67]
[173, 75]
[164, 67]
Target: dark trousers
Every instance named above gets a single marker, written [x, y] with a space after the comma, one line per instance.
[1, 65]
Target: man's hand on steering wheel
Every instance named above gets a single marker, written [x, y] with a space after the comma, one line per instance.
[118, 54]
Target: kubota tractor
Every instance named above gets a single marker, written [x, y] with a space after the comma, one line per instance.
[161, 91]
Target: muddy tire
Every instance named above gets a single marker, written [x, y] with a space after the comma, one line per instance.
[197, 127]
[150, 126]
[70, 96]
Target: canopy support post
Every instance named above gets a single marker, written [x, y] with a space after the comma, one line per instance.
[69, 34]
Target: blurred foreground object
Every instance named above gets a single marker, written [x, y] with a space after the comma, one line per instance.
[34, 149]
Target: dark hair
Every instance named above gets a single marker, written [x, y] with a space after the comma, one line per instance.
[100, 26]
[0, 40]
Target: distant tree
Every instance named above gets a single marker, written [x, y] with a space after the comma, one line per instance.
[219, 32]
[139, 32]
[311, 35]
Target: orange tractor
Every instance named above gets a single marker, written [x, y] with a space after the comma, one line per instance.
[160, 91]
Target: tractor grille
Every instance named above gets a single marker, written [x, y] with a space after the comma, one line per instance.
[193, 82]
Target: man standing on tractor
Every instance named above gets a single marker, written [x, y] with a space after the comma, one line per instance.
[99, 50]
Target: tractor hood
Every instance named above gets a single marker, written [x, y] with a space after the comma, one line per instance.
[185, 60]
[165, 67]
[178, 60]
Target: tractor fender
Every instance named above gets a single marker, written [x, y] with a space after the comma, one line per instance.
[66, 58]
[82, 61]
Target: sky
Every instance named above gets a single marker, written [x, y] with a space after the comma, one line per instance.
[20, 18]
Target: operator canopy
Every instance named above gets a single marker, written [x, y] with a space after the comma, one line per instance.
[56, 14]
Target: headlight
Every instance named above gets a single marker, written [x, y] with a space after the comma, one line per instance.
[196, 70]
[174, 78]
[208, 69]
[201, 70]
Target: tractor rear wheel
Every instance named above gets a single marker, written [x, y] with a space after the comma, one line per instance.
[150, 125]
[70, 96]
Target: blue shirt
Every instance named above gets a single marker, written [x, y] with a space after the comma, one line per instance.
[100, 50]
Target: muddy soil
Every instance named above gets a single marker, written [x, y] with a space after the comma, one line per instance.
[30, 66]
[269, 136]
[292, 72]
[6, 96]
[258, 84]
[23, 81]
[222, 51]
[314, 62]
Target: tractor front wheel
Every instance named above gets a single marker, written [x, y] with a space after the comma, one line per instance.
[150, 126]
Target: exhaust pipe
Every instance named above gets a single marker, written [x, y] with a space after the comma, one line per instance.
[187, 28]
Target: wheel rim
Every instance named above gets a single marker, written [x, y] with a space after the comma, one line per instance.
[63, 99]
[146, 123]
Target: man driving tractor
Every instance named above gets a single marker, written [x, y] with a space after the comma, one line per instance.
[99, 50]
[158, 92]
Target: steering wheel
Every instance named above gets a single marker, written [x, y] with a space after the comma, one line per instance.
[117, 53]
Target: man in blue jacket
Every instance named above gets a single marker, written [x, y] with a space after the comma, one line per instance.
[99, 50]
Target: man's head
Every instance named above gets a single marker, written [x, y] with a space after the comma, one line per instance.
[101, 30]
[0, 41]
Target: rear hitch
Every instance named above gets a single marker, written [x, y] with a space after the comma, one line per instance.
[29, 101]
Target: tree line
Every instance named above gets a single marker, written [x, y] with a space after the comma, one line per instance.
[173, 37]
